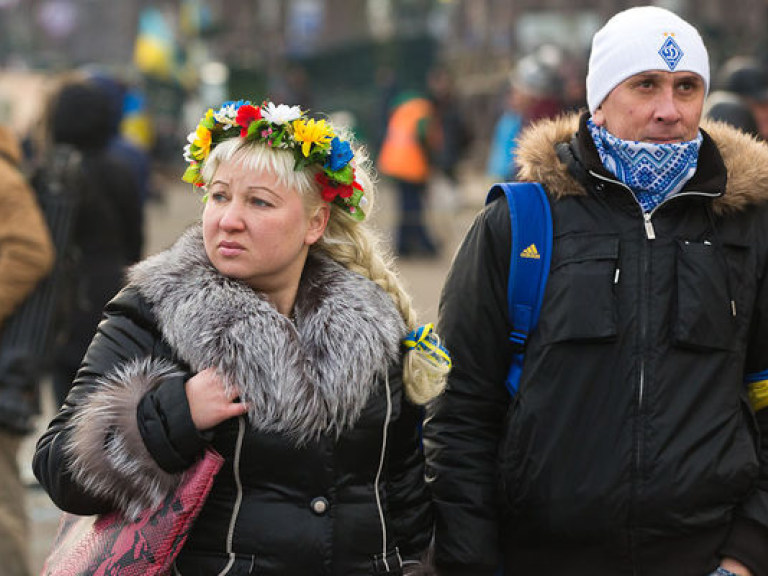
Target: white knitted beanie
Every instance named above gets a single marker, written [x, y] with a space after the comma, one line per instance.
[641, 39]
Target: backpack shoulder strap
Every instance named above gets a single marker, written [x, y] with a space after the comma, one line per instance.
[531, 234]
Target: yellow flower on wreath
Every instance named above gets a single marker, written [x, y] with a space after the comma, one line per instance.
[309, 132]
[202, 141]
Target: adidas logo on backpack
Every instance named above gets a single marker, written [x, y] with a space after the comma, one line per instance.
[530, 252]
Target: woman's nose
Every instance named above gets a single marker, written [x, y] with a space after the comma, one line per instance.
[231, 219]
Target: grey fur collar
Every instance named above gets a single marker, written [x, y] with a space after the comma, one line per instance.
[304, 380]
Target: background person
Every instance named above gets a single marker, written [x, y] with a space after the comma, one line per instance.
[412, 139]
[637, 441]
[746, 77]
[108, 225]
[26, 256]
[272, 332]
[731, 109]
[533, 94]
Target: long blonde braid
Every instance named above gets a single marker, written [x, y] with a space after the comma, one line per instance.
[355, 246]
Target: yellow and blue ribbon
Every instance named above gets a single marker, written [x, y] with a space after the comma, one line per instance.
[758, 390]
[424, 339]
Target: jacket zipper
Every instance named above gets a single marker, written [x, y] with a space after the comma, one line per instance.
[650, 232]
[238, 498]
[644, 303]
[377, 482]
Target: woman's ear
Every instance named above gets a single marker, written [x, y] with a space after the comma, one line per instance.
[317, 223]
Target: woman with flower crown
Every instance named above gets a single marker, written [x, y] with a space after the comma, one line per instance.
[277, 333]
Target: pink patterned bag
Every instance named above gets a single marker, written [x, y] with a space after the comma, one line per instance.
[111, 545]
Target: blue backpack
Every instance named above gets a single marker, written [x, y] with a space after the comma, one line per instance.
[531, 223]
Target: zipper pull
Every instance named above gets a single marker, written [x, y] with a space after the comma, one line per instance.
[650, 233]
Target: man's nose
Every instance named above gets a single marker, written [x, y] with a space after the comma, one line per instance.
[667, 109]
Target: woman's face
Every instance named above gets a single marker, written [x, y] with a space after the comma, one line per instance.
[256, 229]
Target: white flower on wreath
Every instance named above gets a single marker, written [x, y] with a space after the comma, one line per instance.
[227, 116]
[280, 114]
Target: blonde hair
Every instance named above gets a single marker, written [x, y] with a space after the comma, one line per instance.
[352, 244]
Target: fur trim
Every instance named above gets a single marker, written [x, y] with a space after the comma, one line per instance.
[537, 159]
[746, 160]
[106, 453]
[302, 380]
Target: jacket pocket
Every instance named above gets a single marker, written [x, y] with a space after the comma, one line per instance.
[511, 458]
[746, 463]
[705, 306]
[751, 423]
[580, 299]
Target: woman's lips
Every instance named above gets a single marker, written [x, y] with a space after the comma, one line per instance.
[227, 248]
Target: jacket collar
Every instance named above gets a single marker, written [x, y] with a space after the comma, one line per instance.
[709, 178]
[304, 380]
[560, 154]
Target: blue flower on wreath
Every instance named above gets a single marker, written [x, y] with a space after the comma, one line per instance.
[234, 103]
[341, 154]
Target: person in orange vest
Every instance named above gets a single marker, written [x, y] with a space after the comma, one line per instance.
[412, 136]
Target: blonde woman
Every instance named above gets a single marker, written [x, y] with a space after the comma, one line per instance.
[276, 332]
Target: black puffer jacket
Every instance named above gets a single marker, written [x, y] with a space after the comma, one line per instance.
[305, 488]
[631, 446]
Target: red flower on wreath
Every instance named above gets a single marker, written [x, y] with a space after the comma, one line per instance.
[245, 115]
[331, 188]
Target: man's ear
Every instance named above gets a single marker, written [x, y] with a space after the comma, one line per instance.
[317, 223]
[599, 116]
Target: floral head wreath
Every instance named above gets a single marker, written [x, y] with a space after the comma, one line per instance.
[287, 128]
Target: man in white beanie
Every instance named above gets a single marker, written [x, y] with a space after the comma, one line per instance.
[636, 439]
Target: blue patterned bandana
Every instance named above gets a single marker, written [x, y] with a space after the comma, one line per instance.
[654, 172]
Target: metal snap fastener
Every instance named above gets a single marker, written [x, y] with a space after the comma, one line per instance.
[319, 505]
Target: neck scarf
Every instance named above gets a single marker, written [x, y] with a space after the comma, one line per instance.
[654, 172]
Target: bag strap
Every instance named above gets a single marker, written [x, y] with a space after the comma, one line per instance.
[530, 220]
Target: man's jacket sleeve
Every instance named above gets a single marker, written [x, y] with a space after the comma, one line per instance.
[464, 425]
[748, 541]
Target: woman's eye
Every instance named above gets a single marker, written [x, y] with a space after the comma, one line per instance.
[217, 196]
[259, 202]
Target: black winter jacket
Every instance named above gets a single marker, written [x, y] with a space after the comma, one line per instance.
[631, 446]
[305, 488]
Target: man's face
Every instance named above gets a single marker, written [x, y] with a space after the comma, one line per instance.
[654, 106]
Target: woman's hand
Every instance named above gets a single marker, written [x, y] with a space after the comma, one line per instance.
[208, 403]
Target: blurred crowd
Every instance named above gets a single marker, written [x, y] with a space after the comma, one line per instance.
[74, 187]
